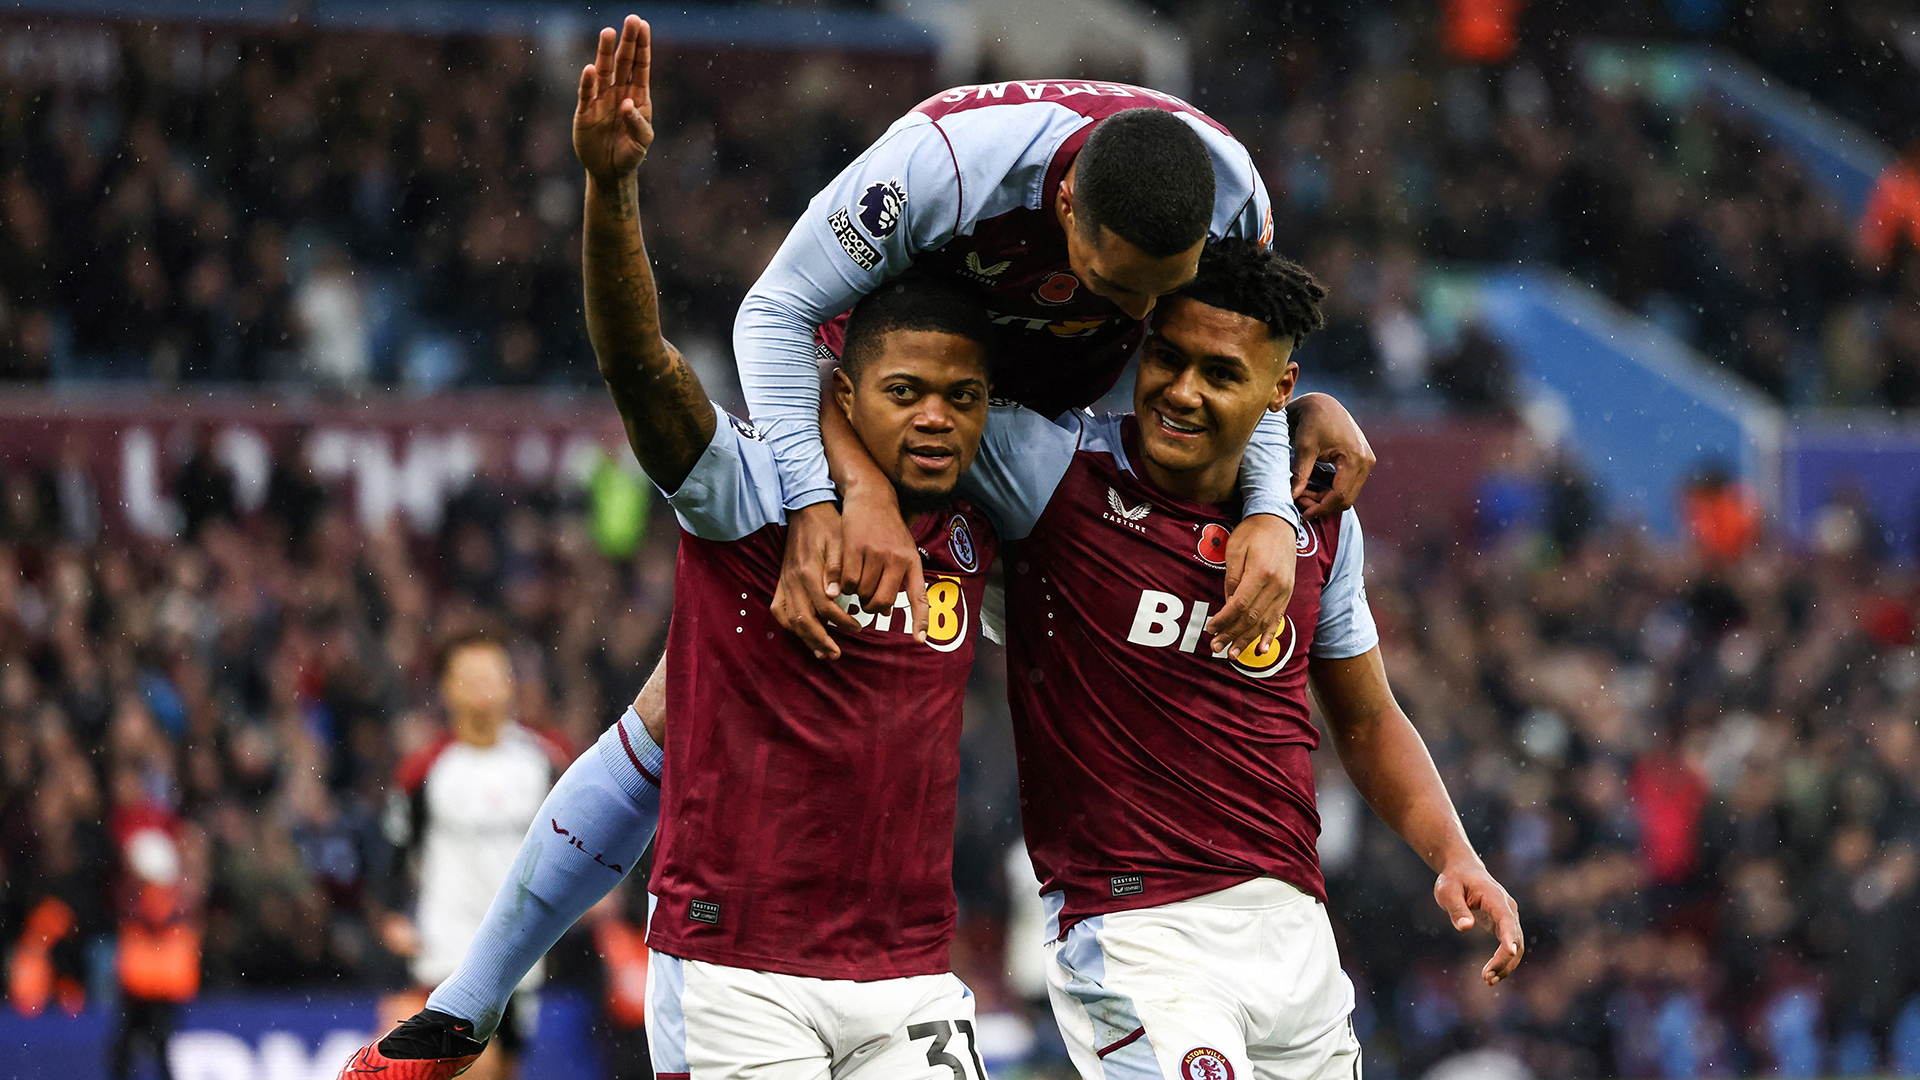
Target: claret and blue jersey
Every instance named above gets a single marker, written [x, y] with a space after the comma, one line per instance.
[807, 810]
[963, 187]
[1151, 771]
[806, 817]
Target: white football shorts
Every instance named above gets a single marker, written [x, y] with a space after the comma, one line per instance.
[713, 1022]
[1240, 984]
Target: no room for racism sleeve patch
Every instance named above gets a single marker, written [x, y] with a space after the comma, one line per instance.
[863, 254]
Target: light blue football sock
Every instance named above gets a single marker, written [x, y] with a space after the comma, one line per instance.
[594, 825]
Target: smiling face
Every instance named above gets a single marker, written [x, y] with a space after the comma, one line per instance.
[1207, 376]
[919, 406]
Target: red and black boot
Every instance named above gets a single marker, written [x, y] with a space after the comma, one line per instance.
[428, 1045]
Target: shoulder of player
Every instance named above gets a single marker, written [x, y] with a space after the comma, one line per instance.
[1000, 156]
[1087, 98]
[734, 487]
[1103, 435]
[975, 518]
[415, 767]
[1331, 537]
[1235, 177]
[1099, 456]
[1006, 142]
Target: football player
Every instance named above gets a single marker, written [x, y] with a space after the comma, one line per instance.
[1166, 789]
[803, 907]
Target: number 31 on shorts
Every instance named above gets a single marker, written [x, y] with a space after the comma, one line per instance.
[941, 1032]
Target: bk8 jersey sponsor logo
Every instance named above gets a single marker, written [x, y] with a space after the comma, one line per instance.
[1158, 623]
[946, 614]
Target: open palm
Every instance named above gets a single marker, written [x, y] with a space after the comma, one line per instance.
[613, 125]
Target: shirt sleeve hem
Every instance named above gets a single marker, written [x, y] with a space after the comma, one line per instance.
[1343, 651]
[810, 497]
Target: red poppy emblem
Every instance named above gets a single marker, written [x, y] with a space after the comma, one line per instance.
[1058, 288]
[1213, 545]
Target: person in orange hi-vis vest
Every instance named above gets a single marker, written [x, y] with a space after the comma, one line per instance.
[1721, 516]
[33, 976]
[1892, 217]
[1480, 31]
[622, 949]
[158, 954]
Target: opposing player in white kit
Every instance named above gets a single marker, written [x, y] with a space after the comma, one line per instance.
[460, 811]
[1166, 790]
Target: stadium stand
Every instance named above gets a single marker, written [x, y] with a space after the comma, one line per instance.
[1693, 758]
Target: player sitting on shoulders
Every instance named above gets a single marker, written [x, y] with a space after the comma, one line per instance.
[1068, 208]
[1166, 787]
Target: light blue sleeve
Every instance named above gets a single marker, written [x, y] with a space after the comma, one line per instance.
[900, 197]
[1241, 208]
[734, 489]
[1022, 459]
[1266, 472]
[1346, 625]
[1254, 221]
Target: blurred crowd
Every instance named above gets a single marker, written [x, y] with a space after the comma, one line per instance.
[362, 209]
[1392, 161]
[356, 209]
[247, 690]
[1697, 766]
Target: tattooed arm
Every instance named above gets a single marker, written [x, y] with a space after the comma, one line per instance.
[668, 418]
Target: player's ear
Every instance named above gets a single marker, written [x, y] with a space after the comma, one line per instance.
[1063, 203]
[1283, 389]
[843, 393]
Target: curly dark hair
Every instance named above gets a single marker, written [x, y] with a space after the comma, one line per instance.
[1244, 277]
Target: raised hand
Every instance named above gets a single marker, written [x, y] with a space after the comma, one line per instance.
[613, 124]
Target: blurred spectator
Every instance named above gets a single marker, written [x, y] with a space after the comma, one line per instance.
[204, 487]
[1721, 516]
[158, 960]
[460, 808]
[332, 311]
[1480, 31]
[1891, 221]
[604, 956]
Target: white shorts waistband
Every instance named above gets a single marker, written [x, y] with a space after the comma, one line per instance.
[1260, 892]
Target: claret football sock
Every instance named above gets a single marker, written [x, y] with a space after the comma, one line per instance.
[593, 827]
